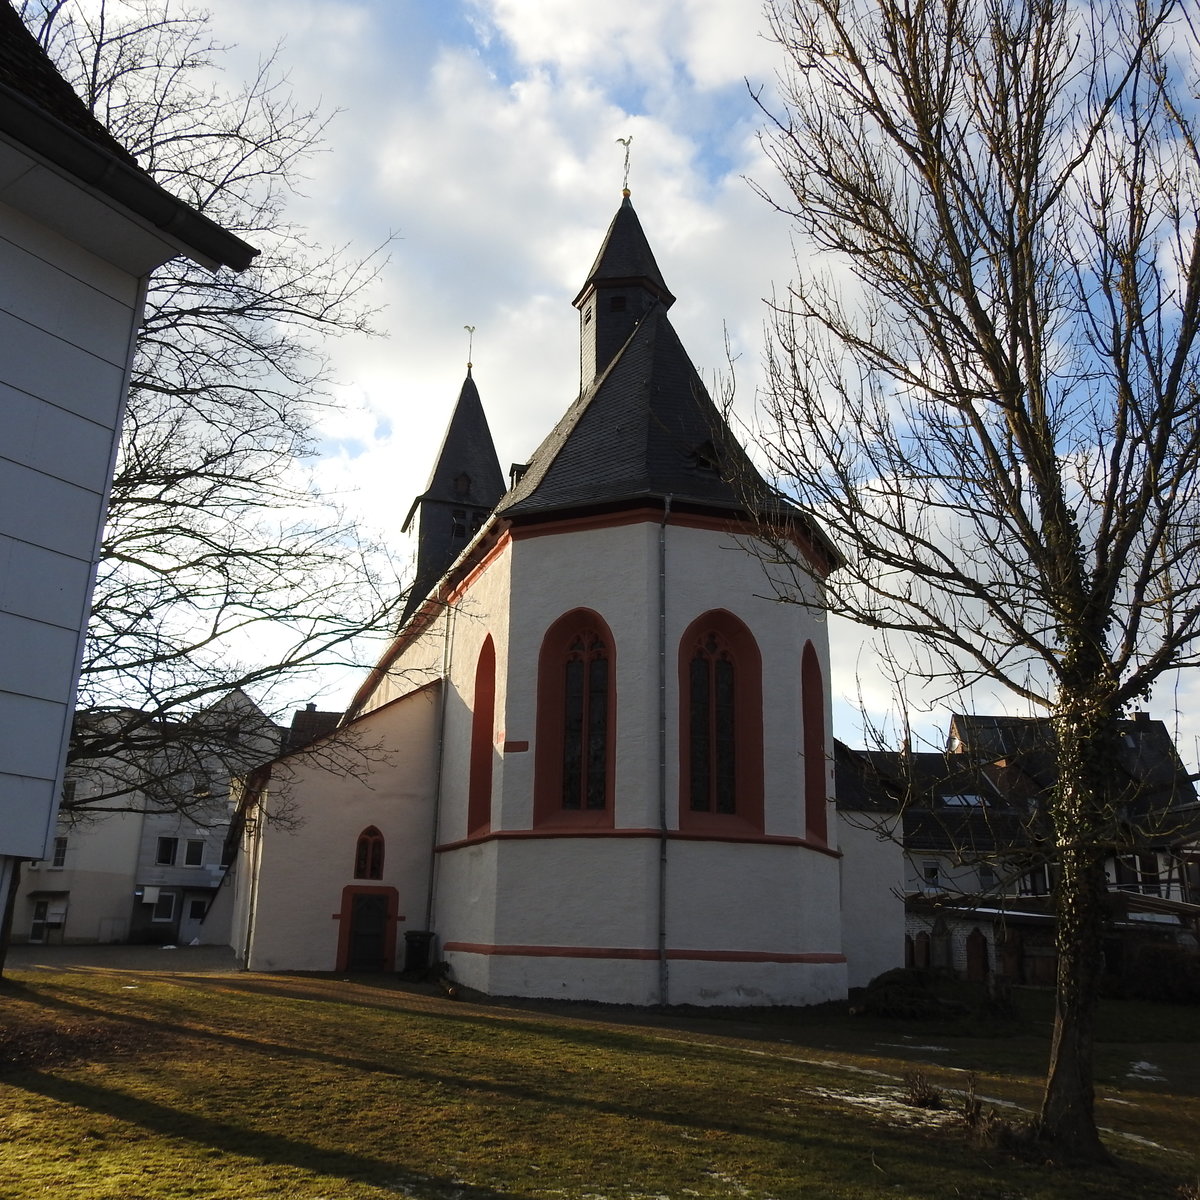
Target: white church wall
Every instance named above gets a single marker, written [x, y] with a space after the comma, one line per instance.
[872, 889]
[590, 903]
[613, 572]
[709, 570]
[479, 613]
[295, 878]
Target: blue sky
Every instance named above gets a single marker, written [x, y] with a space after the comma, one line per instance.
[481, 134]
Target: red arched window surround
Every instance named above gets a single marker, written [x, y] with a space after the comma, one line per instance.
[368, 854]
[483, 721]
[812, 691]
[720, 727]
[575, 754]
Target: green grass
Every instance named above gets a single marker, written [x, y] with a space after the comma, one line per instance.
[143, 1086]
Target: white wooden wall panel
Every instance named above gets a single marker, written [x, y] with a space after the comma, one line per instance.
[61, 304]
[66, 322]
[54, 441]
[40, 583]
[48, 512]
[50, 368]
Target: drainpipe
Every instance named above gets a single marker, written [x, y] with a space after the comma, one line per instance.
[447, 649]
[663, 981]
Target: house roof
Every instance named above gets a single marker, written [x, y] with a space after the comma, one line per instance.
[40, 111]
[987, 791]
[308, 724]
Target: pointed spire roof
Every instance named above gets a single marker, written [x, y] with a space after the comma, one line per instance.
[647, 430]
[464, 487]
[467, 471]
[625, 257]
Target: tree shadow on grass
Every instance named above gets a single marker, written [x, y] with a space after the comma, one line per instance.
[480, 1080]
[236, 1140]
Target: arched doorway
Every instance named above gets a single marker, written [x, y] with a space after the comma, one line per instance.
[367, 938]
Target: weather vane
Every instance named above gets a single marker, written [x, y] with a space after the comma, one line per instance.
[625, 142]
[470, 344]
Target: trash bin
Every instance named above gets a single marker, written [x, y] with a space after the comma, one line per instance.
[418, 943]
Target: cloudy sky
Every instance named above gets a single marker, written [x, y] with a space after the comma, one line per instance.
[481, 134]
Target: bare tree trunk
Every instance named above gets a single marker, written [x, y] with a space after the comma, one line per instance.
[14, 884]
[1082, 817]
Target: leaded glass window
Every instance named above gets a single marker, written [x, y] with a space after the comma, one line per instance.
[585, 722]
[712, 678]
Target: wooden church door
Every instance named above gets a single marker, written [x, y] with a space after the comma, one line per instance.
[367, 940]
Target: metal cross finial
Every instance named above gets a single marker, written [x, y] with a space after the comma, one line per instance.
[470, 344]
[625, 142]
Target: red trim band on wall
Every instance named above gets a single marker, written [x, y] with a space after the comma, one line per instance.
[620, 952]
[673, 835]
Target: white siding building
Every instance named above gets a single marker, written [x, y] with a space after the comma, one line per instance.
[81, 228]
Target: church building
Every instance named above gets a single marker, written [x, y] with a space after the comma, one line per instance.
[596, 761]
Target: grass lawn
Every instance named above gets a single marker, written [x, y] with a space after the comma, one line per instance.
[140, 1085]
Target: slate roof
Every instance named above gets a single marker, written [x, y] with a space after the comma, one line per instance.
[467, 480]
[25, 68]
[625, 257]
[40, 111]
[646, 429]
[467, 449]
[308, 724]
[1011, 764]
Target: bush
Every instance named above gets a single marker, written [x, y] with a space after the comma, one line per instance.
[907, 993]
[1165, 972]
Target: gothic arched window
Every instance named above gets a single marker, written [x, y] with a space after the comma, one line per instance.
[479, 792]
[812, 692]
[368, 854]
[575, 728]
[720, 726]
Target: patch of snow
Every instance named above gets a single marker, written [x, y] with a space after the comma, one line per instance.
[918, 1046]
[1146, 1070]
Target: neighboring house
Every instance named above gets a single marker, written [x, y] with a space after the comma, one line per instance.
[152, 874]
[601, 762]
[81, 228]
[979, 859]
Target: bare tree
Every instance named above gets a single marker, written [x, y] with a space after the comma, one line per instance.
[222, 566]
[995, 411]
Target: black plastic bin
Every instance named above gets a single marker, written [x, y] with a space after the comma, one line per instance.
[418, 944]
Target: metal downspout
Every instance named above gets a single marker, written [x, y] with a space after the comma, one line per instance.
[663, 979]
[447, 647]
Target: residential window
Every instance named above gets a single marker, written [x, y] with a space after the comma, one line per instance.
[368, 855]
[197, 909]
[576, 716]
[193, 853]
[931, 877]
[965, 800]
[60, 853]
[164, 907]
[720, 726]
[1151, 879]
[987, 877]
[1035, 882]
[168, 848]
[483, 714]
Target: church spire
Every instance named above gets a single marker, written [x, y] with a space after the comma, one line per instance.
[465, 485]
[622, 286]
